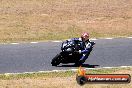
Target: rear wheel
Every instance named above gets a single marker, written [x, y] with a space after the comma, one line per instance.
[56, 60]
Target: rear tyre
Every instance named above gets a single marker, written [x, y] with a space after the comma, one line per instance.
[56, 60]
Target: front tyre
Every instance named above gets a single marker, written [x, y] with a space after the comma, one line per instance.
[56, 60]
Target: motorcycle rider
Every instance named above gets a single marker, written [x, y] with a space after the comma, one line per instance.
[86, 44]
[76, 49]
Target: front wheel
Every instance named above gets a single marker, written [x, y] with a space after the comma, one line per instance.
[56, 60]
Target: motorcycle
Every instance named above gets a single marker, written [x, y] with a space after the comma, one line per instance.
[69, 53]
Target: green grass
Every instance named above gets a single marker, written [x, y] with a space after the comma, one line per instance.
[37, 75]
[62, 79]
[106, 70]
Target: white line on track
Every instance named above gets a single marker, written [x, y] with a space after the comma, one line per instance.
[33, 42]
[124, 66]
[29, 72]
[93, 39]
[61, 41]
[55, 70]
[57, 41]
[74, 70]
[107, 67]
[129, 37]
[108, 38]
[14, 43]
[44, 71]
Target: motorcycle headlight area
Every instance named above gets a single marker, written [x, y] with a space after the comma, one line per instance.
[69, 49]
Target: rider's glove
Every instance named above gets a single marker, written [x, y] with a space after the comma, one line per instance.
[80, 51]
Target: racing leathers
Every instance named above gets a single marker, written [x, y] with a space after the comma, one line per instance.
[86, 48]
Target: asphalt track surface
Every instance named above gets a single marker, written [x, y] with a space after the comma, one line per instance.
[28, 57]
